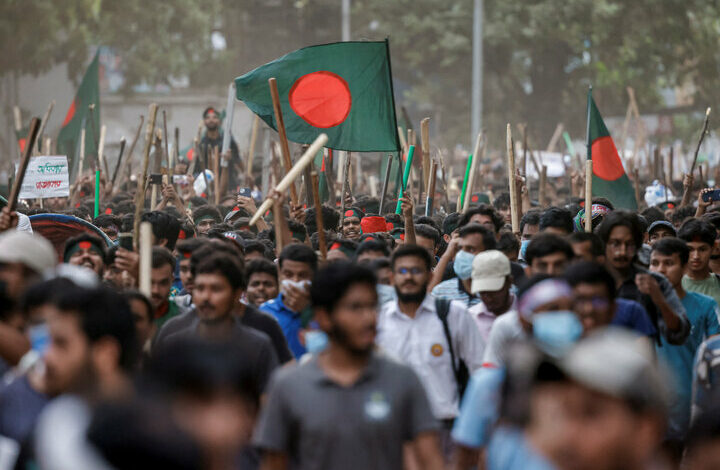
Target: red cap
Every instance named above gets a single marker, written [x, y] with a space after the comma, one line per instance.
[372, 224]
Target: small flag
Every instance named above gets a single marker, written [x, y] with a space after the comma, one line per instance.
[609, 178]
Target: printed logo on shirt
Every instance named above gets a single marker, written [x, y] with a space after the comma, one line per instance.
[377, 407]
[436, 350]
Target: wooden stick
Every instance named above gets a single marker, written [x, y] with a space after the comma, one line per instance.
[307, 176]
[318, 214]
[294, 172]
[101, 151]
[542, 190]
[388, 167]
[229, 113]
[81, 160]
[345, 184]
[688, 190]
[117, 164]
[511, 181]
[27, 152]
[403, 141]
[216, 172]
[284, 146]
[425, 146]
[636, 184]
[251, 149]
[429, 199]
[555, 137]
[43, 124]
[145, 248]
[17, 114]
[176, 150]
[140, 196]
[588, 195]
[132, 148]
[671, 163]
[278, 217]
[473, 169]
[166, 140]
[47, 146]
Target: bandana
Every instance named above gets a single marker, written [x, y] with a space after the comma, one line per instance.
[205, 217]
[354, 212]
[598, 212]
[372, 224]
[339, 246]
[82, 245]
[542, 293]
[390, 226]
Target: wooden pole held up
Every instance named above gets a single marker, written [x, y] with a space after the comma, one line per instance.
[514, 215]
[145, 248]
[588, 195]
[27, 152]
[284, 146]
[318, 215]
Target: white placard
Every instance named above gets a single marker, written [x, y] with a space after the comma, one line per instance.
[46, 177]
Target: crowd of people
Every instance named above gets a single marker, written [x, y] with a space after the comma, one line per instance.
[415, 342]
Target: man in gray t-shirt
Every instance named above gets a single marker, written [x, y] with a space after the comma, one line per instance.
[349, 407]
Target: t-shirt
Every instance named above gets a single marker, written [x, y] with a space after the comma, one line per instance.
[510, 450]
[505, 330]
[709, 286]
[633, 315]
[320, 424]
[702, 312]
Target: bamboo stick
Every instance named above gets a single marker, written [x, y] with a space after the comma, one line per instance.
[145, 248]
[588, 195]
[511, 181]
[140, 196]
[318, 214]
[425, 144]
[284, 146]
[24, 161]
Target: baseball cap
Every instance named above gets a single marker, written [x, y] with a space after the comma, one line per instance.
[617, 362]
[489, 270]
[662, 223]
[33, 251]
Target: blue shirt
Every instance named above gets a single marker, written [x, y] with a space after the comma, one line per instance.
[479, 408]
[510, 450]
[633, 315]
[679, 359]
[290, 322]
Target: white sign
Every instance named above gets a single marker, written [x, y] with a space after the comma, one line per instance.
[46, 177]
[553, 161]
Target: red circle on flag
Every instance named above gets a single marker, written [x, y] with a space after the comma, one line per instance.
[322, 99]
[606, 161]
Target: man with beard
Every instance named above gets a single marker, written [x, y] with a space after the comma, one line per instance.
[411, 328]
[351, 228]
[622, 235]
[348, 407]
[88, 251]
[213, 138]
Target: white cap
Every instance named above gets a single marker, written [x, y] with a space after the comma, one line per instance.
[33, 251]
[489, 270]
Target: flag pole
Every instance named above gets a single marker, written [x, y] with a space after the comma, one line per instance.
[117, 164]
[45, 118]
[284, 146]
[588, 194]
[511, 181]
[431, 189]
[318, 214]
[388, 167]
[425, 142]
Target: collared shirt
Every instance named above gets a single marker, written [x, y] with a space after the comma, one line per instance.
[290, 322]
[484, 318]
[421, 343]
[320, 424]
[454, 289]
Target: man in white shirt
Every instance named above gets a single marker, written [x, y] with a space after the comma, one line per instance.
[491, 279]
[410, 329]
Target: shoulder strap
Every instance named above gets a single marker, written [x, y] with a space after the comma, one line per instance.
[442, 307]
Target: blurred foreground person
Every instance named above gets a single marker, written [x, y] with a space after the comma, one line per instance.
[349, 406]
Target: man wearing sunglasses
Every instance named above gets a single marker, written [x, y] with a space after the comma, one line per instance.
[411, 329]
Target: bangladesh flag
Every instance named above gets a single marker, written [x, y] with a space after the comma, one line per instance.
[609, 179]
[343, 89]
[78, 115]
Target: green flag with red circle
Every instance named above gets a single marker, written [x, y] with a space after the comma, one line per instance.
[342, 89]
[609, 179]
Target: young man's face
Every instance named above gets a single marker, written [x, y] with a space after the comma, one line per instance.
[296, 270]
[552, 264]
[426, 243]
[67, 359]
[261, 288]
[583, 250]
[410, 278]
[351, 228]
[353, 320]
[472, 243]
[212, 121]
[699, 256]
[495, 301]
[669, 266]
[529, 230]
[186, 274]
[89, 258]
[593, 305]
[111, 232]
[504, 211]
[204, 226]
[160, 283]
[620, 248]
[384, 276]
[214, 297]
[658, 234]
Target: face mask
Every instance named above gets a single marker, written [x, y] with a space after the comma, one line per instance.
[39, 337]
[523, 248]
[556, 332]
[463, 265]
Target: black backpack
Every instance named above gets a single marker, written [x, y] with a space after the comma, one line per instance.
[460, 370]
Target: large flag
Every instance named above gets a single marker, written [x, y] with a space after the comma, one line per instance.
[79, 114]
[343, 89]
[609, 179]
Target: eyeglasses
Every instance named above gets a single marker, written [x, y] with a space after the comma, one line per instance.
[413, 271]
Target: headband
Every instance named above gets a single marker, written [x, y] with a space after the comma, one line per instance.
[542, 293]
[83, 245]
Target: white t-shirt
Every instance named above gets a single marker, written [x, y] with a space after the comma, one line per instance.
[505, 330]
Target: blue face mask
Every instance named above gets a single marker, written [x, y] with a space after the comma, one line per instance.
[463, 265]
[556, 332]
[523, 248]
[39, 337]
[315, 341]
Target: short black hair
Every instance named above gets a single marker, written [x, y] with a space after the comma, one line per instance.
[681, 215]
[502, 200]
[621, 218]
[299, 253]
[508, 243]
[544, 244]
[225, 266]
[216, 247]
[162, 256]
[107, 220]
[531, 217]
[698, 230]
[163, 226]
[586, 272]
[669, 245]
[261, 265]
[412, 250]
[205, 211]
[429, 232]
[556, 217]
[488, 238]
[653, 214]
[331, 218]
[86, 237]
[597, 247]
[424, 219]
[137, 295]
[197, 201]
[395, 219]
[256, 246]
[483, 209]
[103, 313]
[333, 281]
[187, 246]
[372, 245]
[450, 224]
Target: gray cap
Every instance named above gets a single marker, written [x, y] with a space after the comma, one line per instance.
[662, 223]
[33, 251]
[619, 363]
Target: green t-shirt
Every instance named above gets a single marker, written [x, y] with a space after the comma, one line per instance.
[709, 286]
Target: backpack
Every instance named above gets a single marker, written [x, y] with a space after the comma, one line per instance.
[706, 383]
[460, 370]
